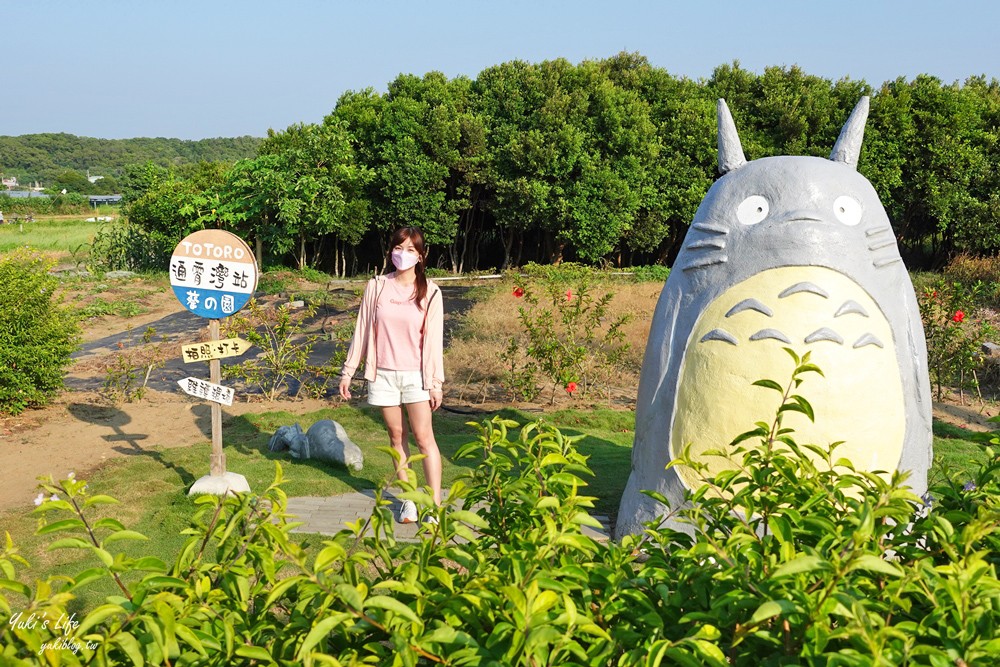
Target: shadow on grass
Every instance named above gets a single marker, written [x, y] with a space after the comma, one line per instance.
[118, 421]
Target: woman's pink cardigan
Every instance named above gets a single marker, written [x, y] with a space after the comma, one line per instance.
[431, 340]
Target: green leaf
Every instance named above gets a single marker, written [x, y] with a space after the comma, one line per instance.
[770, 384]
[873, 563]
[772, 608]
[781, 528]
[393, 605]
[124, 535]
[800, 565]
[58, 526]
[99, 500]
[254, 653]
[317, 634]
[70, 543]
[16, 586]
[109, 523]
[87, 576]
[98, 616]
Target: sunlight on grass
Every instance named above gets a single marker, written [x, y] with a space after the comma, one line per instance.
[63, 236]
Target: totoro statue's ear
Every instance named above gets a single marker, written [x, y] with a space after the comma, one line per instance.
[848, 146]
[730, 150]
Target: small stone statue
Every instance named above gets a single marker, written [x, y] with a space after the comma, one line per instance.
[326, 441]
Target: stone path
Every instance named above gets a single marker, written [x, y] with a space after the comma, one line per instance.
[331, 514]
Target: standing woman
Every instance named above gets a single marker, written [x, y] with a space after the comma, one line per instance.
[400, 337]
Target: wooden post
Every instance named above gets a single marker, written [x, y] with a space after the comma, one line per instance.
[218, 460]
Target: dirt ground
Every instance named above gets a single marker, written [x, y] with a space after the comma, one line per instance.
[81, 429]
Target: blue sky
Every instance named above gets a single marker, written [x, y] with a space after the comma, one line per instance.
[147, 68]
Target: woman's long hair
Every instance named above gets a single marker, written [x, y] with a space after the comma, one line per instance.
[417, 236]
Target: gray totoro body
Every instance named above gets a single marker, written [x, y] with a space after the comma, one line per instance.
[783, 252]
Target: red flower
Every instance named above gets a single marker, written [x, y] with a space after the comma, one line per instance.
[934, 295]
[518, 292]
[958, 316]
[569, 295]
[570, 387]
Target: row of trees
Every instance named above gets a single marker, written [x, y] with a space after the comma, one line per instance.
[62, 160]
[605, 160]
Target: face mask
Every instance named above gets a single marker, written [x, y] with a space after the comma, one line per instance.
[404, 260]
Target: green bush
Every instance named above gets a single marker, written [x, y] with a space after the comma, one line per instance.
[569, 339]
[37, 332]
[655, 273]
[125, 246]
[793, 558]
[955, 329]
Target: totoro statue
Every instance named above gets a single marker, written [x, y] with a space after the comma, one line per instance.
[784, 252]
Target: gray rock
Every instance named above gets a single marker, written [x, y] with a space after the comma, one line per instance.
[326, 441]
[284, 437]
[119, 274]
[991, 350]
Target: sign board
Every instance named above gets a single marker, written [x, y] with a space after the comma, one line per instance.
[216, 349]
[213, 273]
[207, 390]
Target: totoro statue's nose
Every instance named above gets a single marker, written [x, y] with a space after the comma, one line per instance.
[801, 215]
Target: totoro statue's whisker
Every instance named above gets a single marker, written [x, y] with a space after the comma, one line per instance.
[878, 245]
[721, 335]
[868, 339]
[875, 231]
[851, 307]
[824, 334]
[750, 304]
[709, 261]
[710, 228]
[882, 263]
[707, 244]
[811, 288]
[764, 334]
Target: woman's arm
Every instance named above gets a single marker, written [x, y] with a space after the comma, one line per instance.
[359, 341]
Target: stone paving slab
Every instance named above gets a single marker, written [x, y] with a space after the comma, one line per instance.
[331, 514]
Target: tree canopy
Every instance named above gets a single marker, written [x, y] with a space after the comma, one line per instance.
[604, 161]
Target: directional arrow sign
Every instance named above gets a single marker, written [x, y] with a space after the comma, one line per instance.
[216, 349]
[207, 390]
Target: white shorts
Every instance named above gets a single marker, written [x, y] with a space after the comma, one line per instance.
[396, 387]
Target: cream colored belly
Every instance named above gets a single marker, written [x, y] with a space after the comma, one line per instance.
[859, 401]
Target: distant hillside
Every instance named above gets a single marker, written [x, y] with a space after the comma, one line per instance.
[40, 157]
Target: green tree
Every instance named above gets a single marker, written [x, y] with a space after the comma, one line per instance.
[318, 183]
[37, 332]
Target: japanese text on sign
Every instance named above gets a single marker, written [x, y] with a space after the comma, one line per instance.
[207, 390]
[230, 347]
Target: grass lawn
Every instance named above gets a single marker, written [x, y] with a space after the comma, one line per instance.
[63, 236]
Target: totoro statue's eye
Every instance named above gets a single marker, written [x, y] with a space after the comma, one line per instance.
[847, 209]
[752, 210]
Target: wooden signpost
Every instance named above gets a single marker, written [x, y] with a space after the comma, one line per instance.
[213, 274]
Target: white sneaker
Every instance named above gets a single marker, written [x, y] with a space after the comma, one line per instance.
[430, 519]
[408, 512]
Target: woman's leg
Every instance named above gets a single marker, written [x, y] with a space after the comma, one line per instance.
[398, 438]
[419, 415]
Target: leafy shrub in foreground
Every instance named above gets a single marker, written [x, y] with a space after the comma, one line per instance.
[793, 559]
[37, 333]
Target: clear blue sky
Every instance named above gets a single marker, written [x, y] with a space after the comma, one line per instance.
[176, 68]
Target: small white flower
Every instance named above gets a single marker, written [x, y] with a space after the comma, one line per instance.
[54, 497]
[71, 475]
[39, 499]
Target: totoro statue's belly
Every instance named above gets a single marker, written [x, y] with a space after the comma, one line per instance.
[738, 340]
